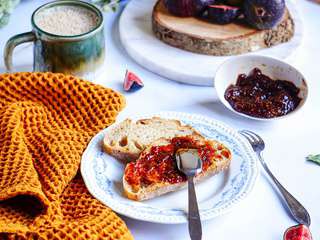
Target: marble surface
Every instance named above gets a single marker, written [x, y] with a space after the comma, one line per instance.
[187, 67]
[261, 216]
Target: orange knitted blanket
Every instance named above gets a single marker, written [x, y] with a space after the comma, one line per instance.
[46, 121]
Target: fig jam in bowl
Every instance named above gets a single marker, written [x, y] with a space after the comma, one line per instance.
[260, 88]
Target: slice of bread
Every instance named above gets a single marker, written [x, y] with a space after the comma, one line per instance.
[126, 141]
[155, 172]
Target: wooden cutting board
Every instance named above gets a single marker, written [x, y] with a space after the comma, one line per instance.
[203, 37]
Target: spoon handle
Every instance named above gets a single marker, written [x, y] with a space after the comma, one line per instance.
[195, 229]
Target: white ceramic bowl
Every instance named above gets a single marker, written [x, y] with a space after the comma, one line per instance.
[228, 72]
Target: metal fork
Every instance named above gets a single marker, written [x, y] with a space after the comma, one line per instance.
[298, 212]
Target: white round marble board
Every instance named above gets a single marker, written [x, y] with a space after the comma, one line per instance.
[136, 35]
[217, 195]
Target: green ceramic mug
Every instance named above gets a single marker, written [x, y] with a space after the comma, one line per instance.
[81, 55]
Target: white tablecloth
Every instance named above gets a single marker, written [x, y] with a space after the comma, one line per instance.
[289, 141]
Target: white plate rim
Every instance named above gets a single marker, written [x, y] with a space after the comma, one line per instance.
[97, 192]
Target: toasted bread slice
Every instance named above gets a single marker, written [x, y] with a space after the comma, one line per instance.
[155, 172]
[130, 138]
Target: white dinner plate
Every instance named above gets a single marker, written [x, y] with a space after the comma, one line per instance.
[217, 195]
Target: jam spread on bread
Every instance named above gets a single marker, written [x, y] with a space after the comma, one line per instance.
[159, 164]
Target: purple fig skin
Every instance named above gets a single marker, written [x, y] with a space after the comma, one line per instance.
[187, 8]
[201, 5]
[135, 87]
[223, 14]
[264, 14]
[181, 8]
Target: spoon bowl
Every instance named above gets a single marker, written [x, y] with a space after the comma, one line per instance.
[188, 161]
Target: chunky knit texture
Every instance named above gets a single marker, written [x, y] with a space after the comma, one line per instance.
[46, 121]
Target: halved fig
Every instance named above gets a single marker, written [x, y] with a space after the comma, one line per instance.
[132, 82]
[223, 14]
[187, 8]
[299, 232]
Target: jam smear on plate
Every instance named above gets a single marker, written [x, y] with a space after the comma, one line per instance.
[159, 165]
[258, 95]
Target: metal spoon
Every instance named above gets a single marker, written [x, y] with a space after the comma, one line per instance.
[189, 162]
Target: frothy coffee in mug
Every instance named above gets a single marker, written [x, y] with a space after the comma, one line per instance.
[66, 20]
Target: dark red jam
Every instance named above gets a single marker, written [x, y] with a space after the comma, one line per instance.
[159, 165]
[258, 95]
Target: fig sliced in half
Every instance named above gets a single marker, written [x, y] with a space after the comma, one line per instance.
[223, 14]
[132, 82]
[299, 232]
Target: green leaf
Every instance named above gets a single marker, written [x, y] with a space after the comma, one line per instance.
[4, 19]
[108, 5]
[6, 7]
[314, 158]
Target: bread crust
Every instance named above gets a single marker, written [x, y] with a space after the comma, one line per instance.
[131, 148]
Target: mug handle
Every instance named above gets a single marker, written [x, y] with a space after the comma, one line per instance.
[12, 43]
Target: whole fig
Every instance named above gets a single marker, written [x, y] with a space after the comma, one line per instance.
[181, 8]
[264, 14]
